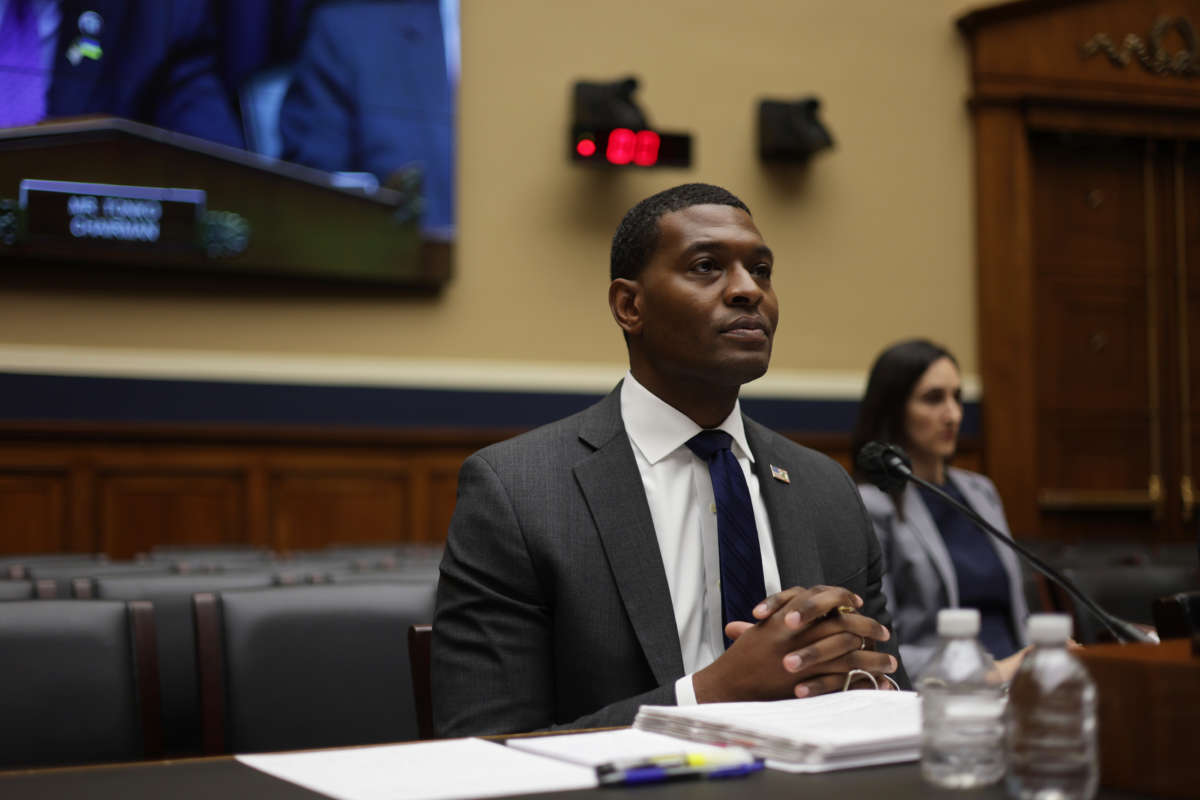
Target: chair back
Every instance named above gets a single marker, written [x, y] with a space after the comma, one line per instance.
[78, 682]
[307, 666]
[1128, 592]
[1177, 616]
[16, 590]
[402, 574]
[420, 639]
[188, 559]
[1177, 552]
[18, 566]
[172, 599]
[63, 576]
[1095, 553]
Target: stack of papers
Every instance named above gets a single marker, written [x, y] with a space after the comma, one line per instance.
[627, 745]
[817, 734]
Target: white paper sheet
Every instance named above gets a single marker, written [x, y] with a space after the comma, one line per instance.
[629, 744]
[443, 770]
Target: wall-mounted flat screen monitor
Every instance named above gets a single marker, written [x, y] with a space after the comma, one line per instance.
[354, 97]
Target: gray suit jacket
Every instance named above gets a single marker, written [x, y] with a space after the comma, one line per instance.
[553, 608]
[920, 576]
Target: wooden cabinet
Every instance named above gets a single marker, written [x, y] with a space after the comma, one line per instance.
[1087, 164]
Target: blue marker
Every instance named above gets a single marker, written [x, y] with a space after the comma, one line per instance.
[736, 771]
[663, 769]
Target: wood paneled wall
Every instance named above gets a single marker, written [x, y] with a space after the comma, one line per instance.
[120, 489]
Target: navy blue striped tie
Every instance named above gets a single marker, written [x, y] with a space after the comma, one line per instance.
[737, 536]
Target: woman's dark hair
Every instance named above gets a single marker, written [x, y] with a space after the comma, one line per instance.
[893, 375]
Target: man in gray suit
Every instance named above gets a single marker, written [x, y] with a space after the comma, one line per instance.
[583, 576]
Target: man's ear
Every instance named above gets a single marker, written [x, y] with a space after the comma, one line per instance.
[625, 302]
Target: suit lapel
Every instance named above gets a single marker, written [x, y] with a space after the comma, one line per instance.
[916, 516]
[612, 488]
[793, 523]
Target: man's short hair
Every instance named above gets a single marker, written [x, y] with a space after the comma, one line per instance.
[637, 236]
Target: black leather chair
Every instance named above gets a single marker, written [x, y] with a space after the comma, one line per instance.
[187, 559]
[1092, 554]
[18, 566]
[308, 666]
[1180, 552]
[172, 599]
[367, 557]
[62, 576]
[78, 682]
[16, 590]
[1129, 592]
[1177, 616]
[401, 574]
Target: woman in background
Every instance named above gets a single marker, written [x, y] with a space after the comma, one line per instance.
[936, 557]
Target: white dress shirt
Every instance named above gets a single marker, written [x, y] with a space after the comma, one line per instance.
[680, 494]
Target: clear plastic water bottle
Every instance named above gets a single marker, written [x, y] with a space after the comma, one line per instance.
[1051, 741]
[962, 707]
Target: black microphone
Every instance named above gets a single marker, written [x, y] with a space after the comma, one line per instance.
[889, 467]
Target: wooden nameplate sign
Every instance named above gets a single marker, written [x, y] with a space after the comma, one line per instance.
[1149, 716]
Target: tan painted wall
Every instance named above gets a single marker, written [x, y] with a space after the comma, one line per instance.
[874, 239]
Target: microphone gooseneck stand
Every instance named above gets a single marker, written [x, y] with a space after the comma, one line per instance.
[889, 468]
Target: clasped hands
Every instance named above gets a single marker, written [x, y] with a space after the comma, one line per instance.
[804, 642]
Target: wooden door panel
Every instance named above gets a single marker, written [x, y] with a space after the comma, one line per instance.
[1092, 351]
[1094, 451]
[311, 510]
[1190, 179]
[139, 510]
[1089, 204]
[1098, 382]
[33, 512]
[1188, 238]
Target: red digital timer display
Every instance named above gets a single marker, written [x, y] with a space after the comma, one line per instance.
[585, 148]
[624, 147]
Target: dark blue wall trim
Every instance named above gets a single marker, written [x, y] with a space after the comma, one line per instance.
[56, 397]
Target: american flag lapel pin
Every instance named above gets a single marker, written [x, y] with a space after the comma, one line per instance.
[88, 43]
[780, 474]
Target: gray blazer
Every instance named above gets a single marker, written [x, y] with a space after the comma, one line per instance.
[920, 576]
[552, 606]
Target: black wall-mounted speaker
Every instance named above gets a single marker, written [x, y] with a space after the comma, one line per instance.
[789, 131]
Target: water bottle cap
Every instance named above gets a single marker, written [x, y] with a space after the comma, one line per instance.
[958, 622]
[1049, 628]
